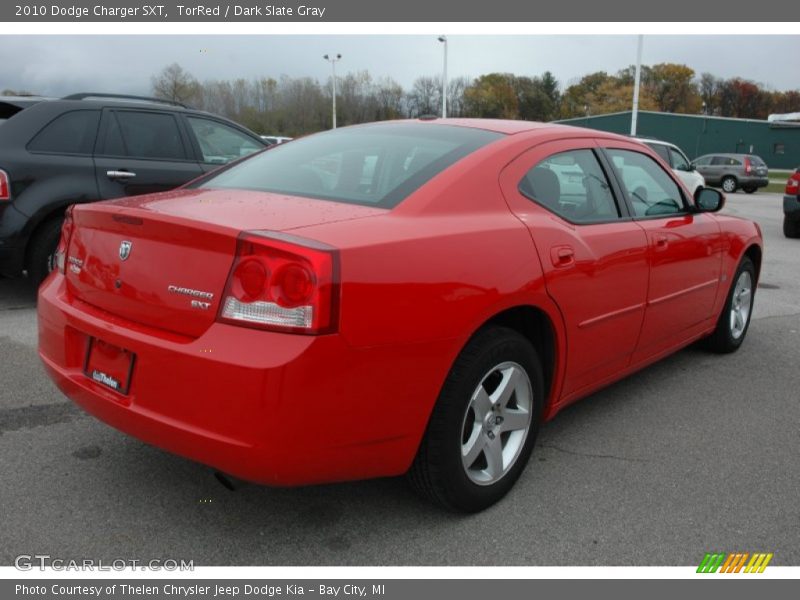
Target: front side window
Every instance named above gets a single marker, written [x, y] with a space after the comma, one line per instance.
[662, 151]
[703, 161]
[376, 165]
[678, 160]
[220, 144]
[651, 191]
[148, 135]
[71, 133]
[573, 185]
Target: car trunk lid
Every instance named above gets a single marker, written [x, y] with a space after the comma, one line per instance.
[163, 260]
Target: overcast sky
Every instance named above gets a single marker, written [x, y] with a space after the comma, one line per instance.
[58, 65]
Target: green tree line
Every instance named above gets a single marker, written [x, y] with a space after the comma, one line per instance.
[299, 105]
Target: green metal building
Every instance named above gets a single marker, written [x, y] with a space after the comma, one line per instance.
[778, 143]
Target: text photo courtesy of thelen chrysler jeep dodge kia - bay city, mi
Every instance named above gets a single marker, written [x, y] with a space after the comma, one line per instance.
[410, 297]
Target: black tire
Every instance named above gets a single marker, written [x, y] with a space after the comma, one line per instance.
[723, 340]
[729, 184]
[791, 228]
[41, 249]
[750, 189]
[438, 472]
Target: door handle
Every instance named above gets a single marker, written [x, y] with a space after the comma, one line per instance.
[562, 256]
[661, 242]
[120, 174]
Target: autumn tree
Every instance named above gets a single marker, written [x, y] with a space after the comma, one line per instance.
[493, 96]
[672, 87]
[576, 101]
[175, 84]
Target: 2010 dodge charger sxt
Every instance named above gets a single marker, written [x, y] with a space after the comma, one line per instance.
[405, 297]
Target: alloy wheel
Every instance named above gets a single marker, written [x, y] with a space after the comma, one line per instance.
[741, 304]
[729, 185]
[496, 424]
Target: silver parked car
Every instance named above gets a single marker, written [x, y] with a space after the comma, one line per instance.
[733, 171]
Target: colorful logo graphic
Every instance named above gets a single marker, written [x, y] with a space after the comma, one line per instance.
[734, 562]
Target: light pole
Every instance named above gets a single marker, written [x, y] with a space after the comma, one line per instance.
[333, 61]
[443, 39]
[637, 81]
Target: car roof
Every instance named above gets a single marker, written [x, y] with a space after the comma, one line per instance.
[97, 101]
[653, 141]
[506, 126]
[729, 154]
[22, 101]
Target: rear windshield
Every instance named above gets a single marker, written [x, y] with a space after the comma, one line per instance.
[756, 160]
[375, 165]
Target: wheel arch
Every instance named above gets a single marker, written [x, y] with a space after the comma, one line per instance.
[754, 253]
[540, 328]
[53, 212]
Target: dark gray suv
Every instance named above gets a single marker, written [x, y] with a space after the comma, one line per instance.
[733, 171]
[89, 147]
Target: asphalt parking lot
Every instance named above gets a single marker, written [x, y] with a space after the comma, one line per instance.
[696, 453]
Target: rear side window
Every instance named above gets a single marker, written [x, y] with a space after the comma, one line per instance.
[725, 161]
[652, 192]
[70, 133]
[572, 185]
[376, 165]
[143, 135]
[220, 143]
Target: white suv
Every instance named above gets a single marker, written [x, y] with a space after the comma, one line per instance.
[681, 166]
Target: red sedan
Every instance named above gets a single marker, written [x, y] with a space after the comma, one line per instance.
[403, 297]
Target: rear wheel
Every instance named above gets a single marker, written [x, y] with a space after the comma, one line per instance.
[735, 318]
[729, 184]
[484, 424]
[42, 249]
[791, 229]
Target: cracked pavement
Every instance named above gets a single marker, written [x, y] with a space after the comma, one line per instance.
[696, 453]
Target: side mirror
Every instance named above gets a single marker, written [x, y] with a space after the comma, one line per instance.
[692, 167]
[708, 200]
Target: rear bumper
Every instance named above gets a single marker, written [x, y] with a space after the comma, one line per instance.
[791, 207]
[758, 182]
[271, 408]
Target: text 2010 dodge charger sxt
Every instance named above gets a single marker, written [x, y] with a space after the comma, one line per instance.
[400, 297]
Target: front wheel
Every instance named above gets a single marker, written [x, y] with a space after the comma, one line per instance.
[735, 318]
[729, 185]
[484, 424]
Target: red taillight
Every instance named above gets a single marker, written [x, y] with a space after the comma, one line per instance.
[283, 283]
[60, 257]
[5, 186]
[748, 168]
[793, 185]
